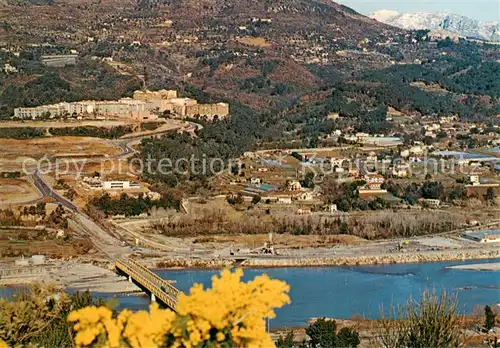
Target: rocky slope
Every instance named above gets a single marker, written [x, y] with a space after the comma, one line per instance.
[456, 24]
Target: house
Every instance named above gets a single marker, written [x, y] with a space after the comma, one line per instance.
[448, 119]
[285, 200]
[277, 198]
[401, 171]
[432, 127]
[304, 212]
[8, 69]
[293, 185]
[433, 203]
[337, 162]
[305, 196]
[255, 181]
[474, 180]
[374, 182]
[372, 157]
[331, 208]
[353, 171]
[117, 185]
[98, 183]
[417, 150]
[488, 236]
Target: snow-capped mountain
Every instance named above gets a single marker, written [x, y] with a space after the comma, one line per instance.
[456, 24]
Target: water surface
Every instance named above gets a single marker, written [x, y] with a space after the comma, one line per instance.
[341, 292]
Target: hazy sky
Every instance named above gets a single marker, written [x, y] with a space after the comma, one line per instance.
[485, 10]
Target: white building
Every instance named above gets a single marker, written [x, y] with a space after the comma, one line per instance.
[9, 69]
[294, 185]
[474, 180]
[400, 171]
[255, 181]
[54, 110]
[119, 185]
[285, 200]
[417, 150]
[125, 107]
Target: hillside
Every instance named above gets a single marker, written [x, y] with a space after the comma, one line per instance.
[258, 52]
[268, 55]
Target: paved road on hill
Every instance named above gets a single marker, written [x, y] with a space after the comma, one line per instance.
[106, 243]
[126, 150]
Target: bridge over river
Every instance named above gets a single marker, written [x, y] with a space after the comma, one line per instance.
[161, 290]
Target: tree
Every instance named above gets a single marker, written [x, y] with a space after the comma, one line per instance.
[287, 341]
[323, 333]
[237, 323]
[489, 322]
[490, 195]
[347, 338]
[38, 316]
[40, 209]
[432, 190]
[431, 322]
[70, 194]
[344, 228]
[256, 199]
[235, 199]
[308, 181]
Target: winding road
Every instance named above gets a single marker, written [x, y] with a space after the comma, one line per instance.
[106, 243]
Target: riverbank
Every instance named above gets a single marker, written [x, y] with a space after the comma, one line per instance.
[102, 278]
[279, 262]
[67, 274]
[479, 267]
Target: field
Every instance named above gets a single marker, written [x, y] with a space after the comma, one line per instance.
[254, 41]
[16, 242]
[16, 191]
[16, 152]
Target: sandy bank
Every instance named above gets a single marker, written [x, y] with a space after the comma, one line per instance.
[479, 267]
[67, 274]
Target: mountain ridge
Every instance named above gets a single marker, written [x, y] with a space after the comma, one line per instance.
[457, 24]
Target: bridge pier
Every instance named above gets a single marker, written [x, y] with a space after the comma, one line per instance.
[153, 297]
[130, 279]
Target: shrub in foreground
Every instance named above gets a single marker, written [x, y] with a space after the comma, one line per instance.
[430, 322]
[231, 314]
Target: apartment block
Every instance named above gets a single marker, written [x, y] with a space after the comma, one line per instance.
[145, 105]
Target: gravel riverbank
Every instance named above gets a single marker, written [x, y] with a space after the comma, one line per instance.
[265, 262]
[67, 274]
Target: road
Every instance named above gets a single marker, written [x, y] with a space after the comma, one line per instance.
[126, 150]
[47, 191]
[103, 241]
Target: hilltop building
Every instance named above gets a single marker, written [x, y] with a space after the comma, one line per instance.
[155, 95]
[123, 108]
[145, 105]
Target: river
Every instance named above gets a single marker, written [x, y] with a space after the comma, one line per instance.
[340, 292]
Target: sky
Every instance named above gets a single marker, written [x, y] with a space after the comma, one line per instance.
[484, 10]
